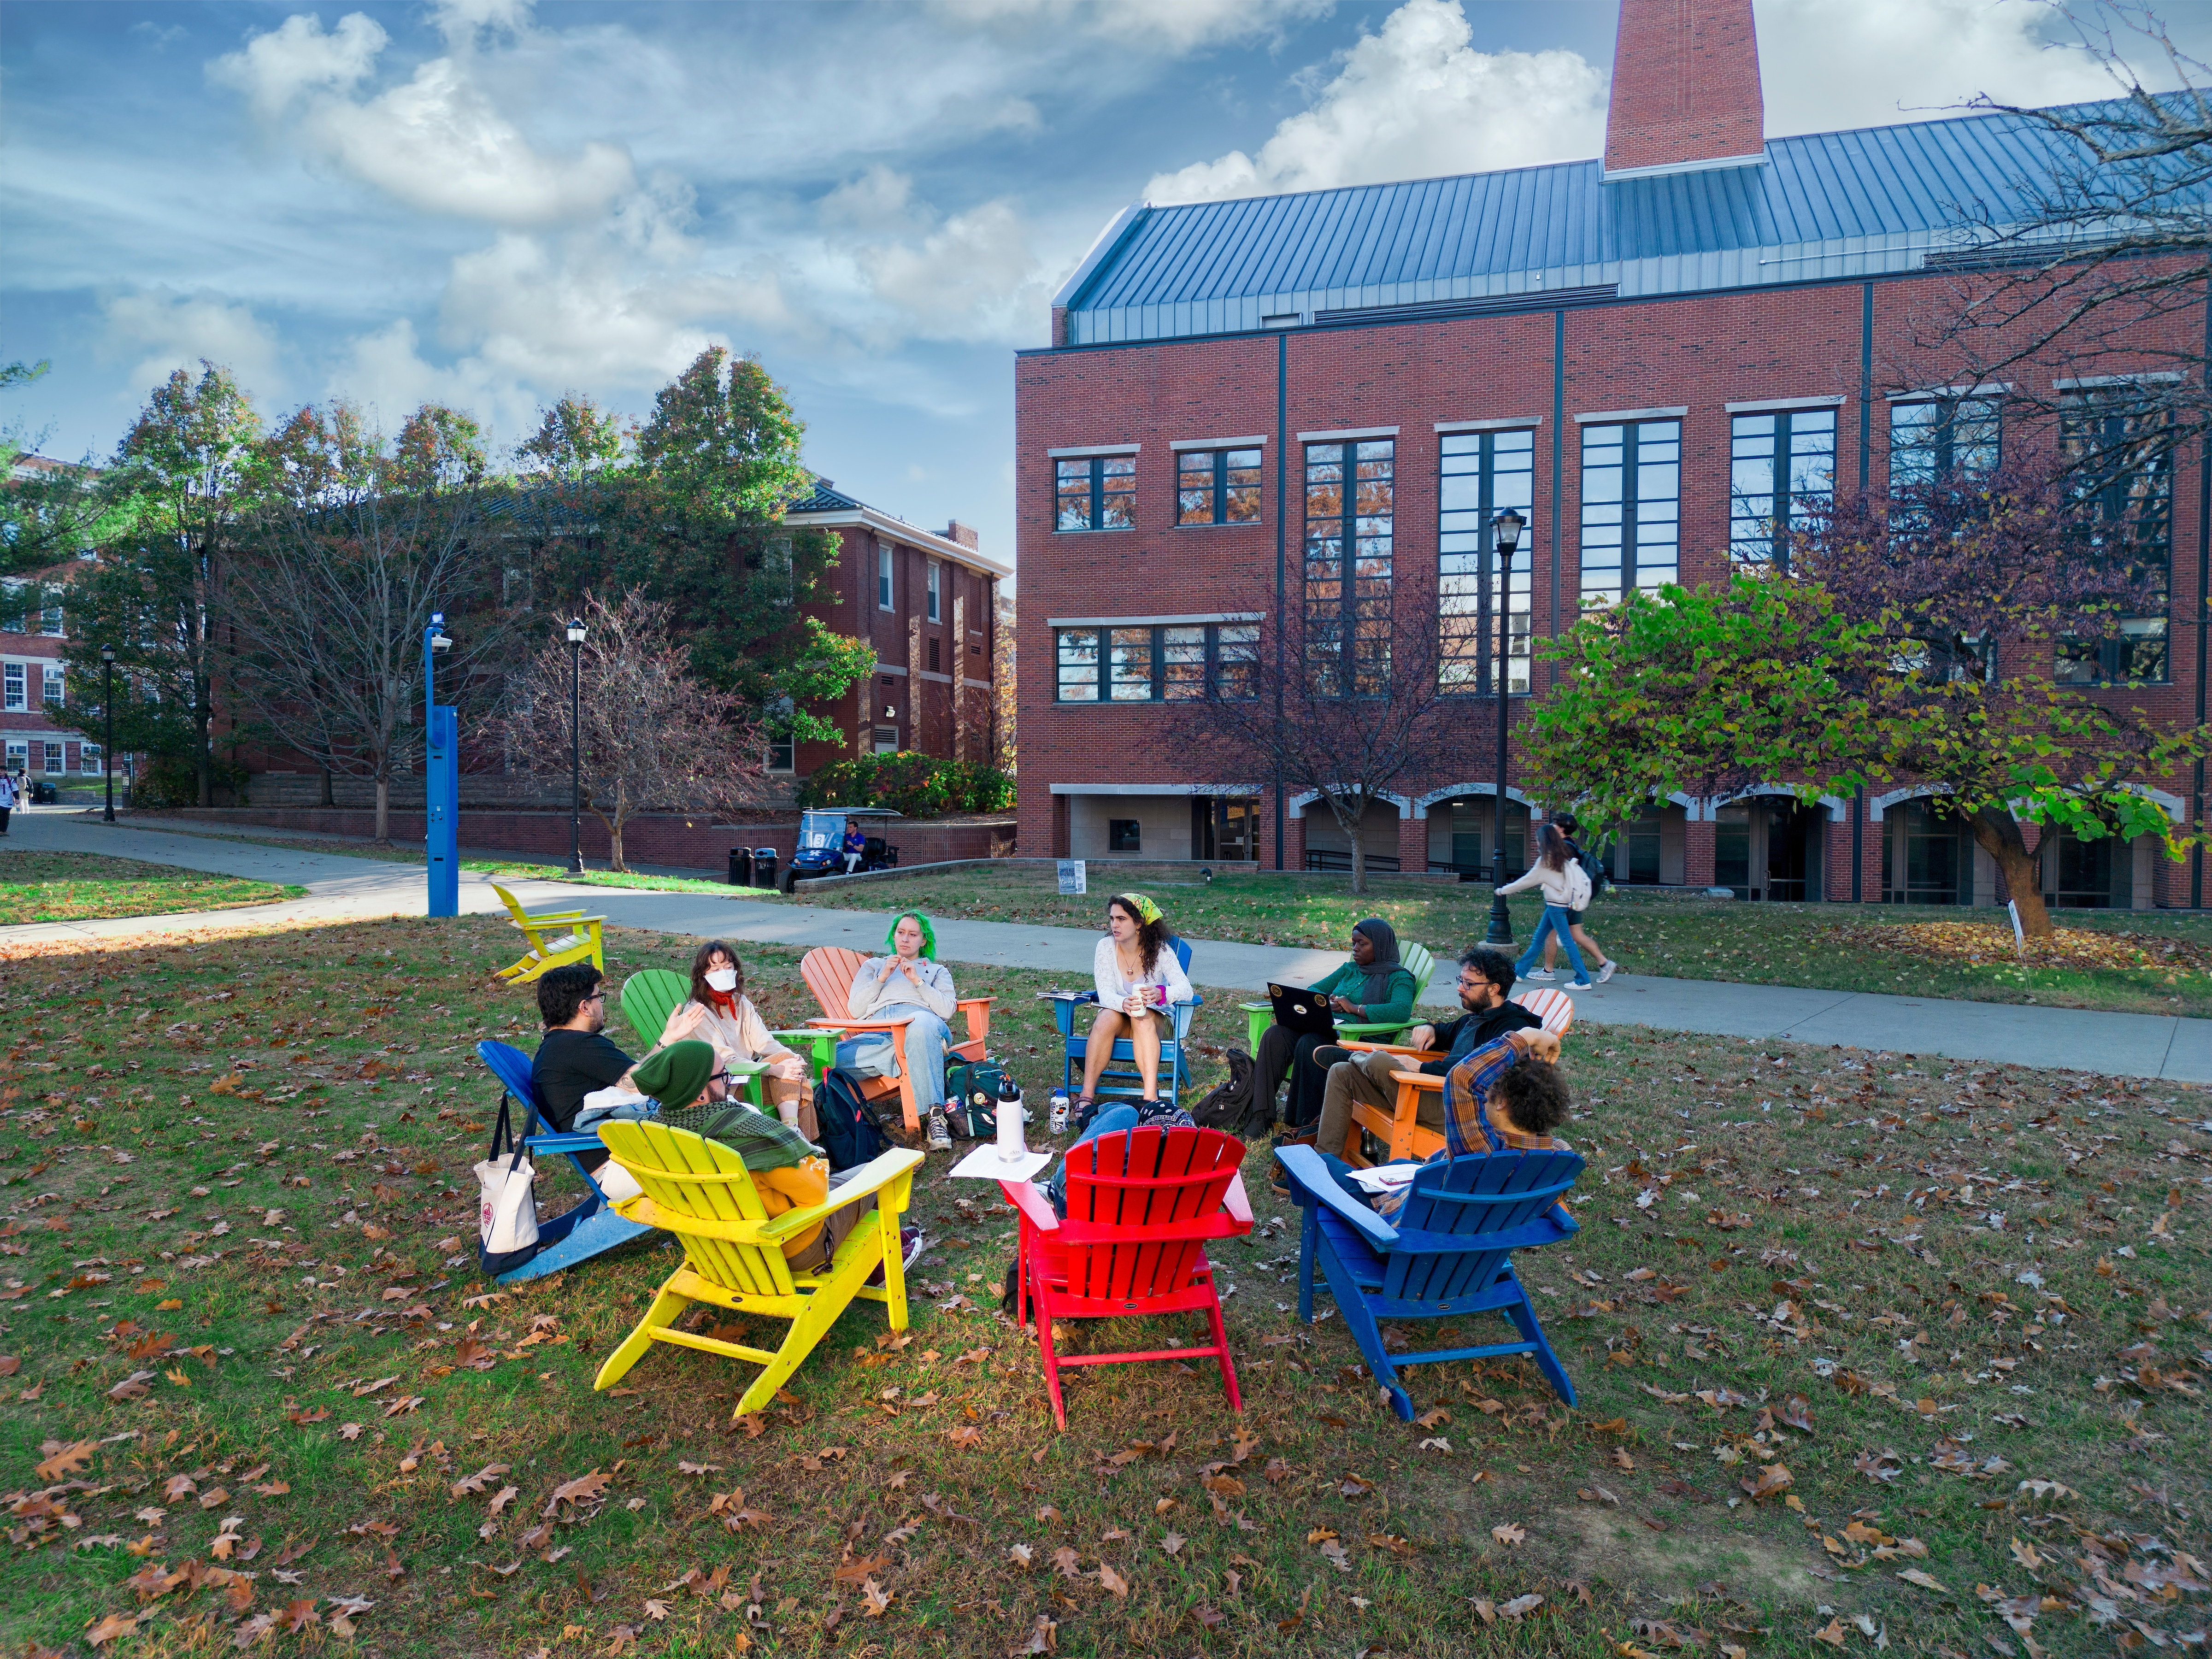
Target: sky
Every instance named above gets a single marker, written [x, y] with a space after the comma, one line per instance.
[493, 203]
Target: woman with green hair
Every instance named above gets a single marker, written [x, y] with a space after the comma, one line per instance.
[909, 984]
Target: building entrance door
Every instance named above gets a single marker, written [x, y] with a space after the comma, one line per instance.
[1769, 848]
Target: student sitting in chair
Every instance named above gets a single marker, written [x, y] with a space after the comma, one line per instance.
[908, 982]
[575, 1057]
[719, 1011]
[1139, 981]
[788, 1171]
[1374, 988]
[1508, 1095]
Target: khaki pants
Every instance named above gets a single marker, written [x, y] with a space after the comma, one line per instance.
[1366, 1079]
[834, 1231]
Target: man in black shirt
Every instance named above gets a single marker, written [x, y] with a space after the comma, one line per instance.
[573, 1058]
[1486, 984]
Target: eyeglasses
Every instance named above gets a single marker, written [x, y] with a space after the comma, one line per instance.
[596, 996]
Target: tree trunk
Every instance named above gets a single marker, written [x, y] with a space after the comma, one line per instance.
[384, 812]
[203, 760]
[614, 844]
[1996, 832]
[328, 797]
[1352, 828]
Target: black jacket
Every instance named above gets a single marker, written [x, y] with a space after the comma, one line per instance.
[1463, 1036]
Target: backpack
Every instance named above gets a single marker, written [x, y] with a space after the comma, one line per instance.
[851, 1133]
[1579, 885]
[971, 1097]
[1234, 1107]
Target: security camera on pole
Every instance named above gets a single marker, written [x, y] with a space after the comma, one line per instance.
[441, 768]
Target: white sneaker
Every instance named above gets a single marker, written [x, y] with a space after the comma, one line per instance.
[941, 1136]
[1544, 973]
[1580, 985]
[1605, 973]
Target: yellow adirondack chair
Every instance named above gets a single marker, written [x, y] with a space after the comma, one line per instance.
[699, 1190]
[556, 937]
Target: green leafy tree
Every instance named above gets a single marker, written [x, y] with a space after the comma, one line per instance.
[185, 484]
[49, 510]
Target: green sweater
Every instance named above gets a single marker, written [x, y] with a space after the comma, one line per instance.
[1350, 978]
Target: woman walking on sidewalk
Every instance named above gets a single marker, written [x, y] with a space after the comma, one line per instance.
[1566, 887]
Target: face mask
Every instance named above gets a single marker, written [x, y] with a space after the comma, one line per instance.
[724, 980]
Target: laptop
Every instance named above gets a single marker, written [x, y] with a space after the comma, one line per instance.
[1299, 1010]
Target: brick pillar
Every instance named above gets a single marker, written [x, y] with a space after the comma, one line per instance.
[1294, 839]
[1412, 843]
[1697, 854]
[1685, 84]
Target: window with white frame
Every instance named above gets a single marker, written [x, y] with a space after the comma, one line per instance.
[87, 759]
[50, 622]
[12, 602]
[53, 759]
[12, 682]
[936, 590]
[883, 551]
[19, 755]
[55, 677]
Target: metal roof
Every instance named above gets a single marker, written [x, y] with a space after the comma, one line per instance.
[1836, 205]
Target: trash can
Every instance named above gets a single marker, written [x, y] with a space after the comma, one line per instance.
[764, 866]
[741, 866]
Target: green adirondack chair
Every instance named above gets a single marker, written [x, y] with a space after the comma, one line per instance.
[1258, 1016]
[651, 995]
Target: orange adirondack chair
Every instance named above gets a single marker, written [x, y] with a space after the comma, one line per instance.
[1140, 1206]
[829, 970]
[1401, 1133]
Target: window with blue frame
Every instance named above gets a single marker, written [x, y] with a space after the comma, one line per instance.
[1218, 486]
[1156, 662]
[1782, 465]
[1094, 492]
[1483, 474]
[1350, 505]
[1632, 508]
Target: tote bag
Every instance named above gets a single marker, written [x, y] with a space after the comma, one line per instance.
[506, 1205]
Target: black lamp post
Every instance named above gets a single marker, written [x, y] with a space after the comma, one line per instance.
[575, 746]
[1505, 535]
[107, 707]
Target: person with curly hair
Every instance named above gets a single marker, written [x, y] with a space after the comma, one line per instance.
[1138, 982]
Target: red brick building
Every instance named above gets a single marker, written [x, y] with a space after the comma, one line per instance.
[927, 601]
[34, 648]
[1656, 358]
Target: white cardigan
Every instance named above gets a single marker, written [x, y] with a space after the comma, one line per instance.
[1114, 986]
[1541, 874]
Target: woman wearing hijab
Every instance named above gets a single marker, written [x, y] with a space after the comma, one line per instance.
[1373, 989]
[719, 1013]
[909, 984]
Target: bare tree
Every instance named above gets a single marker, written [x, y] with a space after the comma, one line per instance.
[339, 573]
[1264, 716]
[650, 736]
[2094, 268]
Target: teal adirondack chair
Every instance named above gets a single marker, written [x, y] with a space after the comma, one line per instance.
[1258, 1016]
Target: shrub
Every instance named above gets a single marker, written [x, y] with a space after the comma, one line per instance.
[919, 786]
[167, 780]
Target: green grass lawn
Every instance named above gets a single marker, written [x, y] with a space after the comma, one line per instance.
[2142, 962]
[1966, 1307]
[89, 887]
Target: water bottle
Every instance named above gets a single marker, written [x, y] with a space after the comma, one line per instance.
[1059, 1107]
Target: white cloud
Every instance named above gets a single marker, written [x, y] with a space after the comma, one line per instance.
[1414, 100]
[277, 67]
[1176, 26]
[160, 331]
[461, 20]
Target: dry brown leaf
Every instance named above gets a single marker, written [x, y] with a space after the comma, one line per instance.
[1116, 1585]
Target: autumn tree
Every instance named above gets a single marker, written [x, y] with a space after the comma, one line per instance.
[1937, 636]
[653, 736]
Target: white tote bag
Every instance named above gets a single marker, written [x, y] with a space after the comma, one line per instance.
[506, 1205]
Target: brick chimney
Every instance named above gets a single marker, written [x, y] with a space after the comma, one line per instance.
[1686, 90]
[957, 532]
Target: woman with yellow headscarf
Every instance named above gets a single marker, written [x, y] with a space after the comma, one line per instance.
[1138, 980]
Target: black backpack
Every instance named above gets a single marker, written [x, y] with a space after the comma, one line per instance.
[851, 1135]
[1235, 1107]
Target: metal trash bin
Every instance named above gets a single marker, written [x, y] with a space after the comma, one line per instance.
[764, 866]
[741, 866]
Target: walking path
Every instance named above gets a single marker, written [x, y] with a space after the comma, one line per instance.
[341, 889]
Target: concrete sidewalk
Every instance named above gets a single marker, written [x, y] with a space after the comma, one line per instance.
[342, 889]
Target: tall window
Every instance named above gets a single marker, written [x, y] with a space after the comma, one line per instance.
[2123, 455]
[87, 759]
[11, 607]
[50, 622]
[1484, 473]
[1349, 498]
[883, 576]
[1094, 492]
[1942, 437]
[55, 677]
[1780, 465]
[1632, 508]
[1157, 664]
[1218, 486]
[11, 688]
[936, 586]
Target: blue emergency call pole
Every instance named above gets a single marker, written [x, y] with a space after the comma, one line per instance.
[441, 766]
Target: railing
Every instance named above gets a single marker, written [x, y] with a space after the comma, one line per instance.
[1327, 861]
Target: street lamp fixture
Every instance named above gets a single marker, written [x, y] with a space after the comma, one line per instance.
[1505, 535]
[107, 708]
[575, 746]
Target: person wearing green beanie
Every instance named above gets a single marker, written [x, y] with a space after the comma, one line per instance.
[676, 1076]
[909, 984]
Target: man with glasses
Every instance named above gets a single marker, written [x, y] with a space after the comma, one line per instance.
[1486, 984]
[575, 1057]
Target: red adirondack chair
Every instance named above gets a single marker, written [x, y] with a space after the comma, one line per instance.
[1140, 1206]
[829, 969]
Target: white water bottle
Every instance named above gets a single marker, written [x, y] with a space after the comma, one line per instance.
[1060, 1108]
[1011, 1148]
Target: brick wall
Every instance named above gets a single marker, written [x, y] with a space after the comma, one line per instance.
[1685, 84]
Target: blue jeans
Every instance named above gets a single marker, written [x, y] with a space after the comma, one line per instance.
[1113, 1121]
[1553, 921]
[926, 1036]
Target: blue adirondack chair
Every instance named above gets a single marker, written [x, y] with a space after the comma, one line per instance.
[1120, 1076]
[1450, 1254]
[591, 1226]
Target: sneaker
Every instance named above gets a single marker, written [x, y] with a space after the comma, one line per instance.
[1605, 972]
[1580, 985]
[941, 1136]
[1544, 973]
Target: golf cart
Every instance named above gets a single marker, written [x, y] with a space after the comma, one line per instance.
[821, 843]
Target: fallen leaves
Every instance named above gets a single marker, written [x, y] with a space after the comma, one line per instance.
[1773, 1480]
[584, 1489]
[63, 1460]
[1510, 1535]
